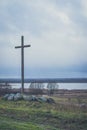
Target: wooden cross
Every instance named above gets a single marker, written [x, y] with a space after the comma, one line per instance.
[22, 62]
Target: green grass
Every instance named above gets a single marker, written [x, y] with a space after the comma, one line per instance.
[24, 115]
[9, 124]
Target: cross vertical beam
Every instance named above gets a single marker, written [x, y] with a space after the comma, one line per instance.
[22, 62]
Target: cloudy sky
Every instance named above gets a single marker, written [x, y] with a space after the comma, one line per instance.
[57, 32]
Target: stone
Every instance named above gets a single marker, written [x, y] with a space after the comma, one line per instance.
[34, 98]
[50, 100]
[5, 97]
[18, 96]
[10, 97]
[26, 97]
[43, 99]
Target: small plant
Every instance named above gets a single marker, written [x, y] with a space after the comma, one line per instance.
[25, 115]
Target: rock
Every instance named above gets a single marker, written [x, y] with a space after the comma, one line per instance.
[10, 97]
[42, 99]
[30, 98]
[5, 97]
[50, 100]
[34, 98]
[83, 105]
[18, 96]
[26, 97]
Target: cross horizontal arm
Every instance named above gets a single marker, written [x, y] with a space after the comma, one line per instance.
[27, 46]
[23, 46]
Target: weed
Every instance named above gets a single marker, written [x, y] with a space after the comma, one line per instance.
[24, 115]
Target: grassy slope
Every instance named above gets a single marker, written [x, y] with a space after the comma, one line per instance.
[24, 115]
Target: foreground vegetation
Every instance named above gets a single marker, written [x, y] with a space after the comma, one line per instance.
[64, 114]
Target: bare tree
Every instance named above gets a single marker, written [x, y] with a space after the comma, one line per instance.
[5, 88]
[52, 87]
[36, 88]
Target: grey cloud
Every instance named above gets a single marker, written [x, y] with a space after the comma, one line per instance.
[56, 32]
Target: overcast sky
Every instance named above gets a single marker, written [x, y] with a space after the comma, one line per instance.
[57, 32]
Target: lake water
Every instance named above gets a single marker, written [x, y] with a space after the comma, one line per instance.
[61, 85]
